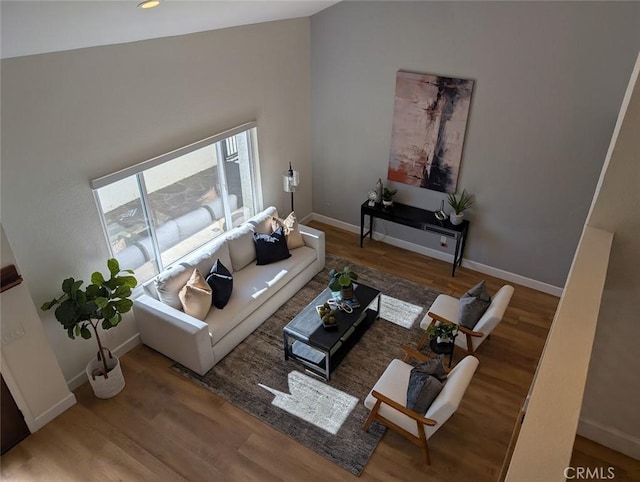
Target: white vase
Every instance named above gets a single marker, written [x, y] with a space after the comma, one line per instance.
[106, 387]
[456, 218]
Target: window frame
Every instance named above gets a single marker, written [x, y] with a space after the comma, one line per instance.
[137, 172]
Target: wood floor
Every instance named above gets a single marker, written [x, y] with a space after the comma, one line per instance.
[164, 427]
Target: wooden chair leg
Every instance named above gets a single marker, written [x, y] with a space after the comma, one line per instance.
[423, 443]
[371, 416]
[469, 344]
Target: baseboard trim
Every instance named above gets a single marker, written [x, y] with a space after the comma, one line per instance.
[433, 253]
[46, 417]
[610, 437]
[120, 350]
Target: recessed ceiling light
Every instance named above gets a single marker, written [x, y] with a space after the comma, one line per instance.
[149, 4]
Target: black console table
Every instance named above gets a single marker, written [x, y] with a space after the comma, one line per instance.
[419, 219]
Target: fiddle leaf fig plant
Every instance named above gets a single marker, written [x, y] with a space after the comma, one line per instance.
[101, 303]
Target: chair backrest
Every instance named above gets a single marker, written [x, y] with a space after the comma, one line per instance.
[492, 316]
[448, 400]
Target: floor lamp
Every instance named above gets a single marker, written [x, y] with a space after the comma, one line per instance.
[290, 182]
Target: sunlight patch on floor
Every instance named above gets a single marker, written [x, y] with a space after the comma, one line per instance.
[397, 311]
[314, 401]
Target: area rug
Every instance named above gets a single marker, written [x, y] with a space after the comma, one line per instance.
[325, 416]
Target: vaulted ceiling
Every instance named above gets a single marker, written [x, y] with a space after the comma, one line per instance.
[35, 27]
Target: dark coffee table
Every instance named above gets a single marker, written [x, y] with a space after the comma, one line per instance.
[321, 349]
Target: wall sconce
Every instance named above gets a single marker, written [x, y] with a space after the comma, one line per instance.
[290, 182]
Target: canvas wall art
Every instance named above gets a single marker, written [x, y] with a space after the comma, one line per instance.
[429, 122]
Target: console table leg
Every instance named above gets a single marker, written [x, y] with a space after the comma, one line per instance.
[457, 253]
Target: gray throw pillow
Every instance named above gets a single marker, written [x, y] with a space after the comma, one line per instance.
[422, 391]
[472, 305]
[433, 367]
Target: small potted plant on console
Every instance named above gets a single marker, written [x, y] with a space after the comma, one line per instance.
[459, 206]
[387, 197]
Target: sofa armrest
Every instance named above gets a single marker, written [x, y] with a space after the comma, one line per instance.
[173, 333]
[314, 239]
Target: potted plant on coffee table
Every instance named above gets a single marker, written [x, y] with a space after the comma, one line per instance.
[342, 281]
[459, 206]
[101, 303]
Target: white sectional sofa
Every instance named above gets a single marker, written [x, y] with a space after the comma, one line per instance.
[258, 291]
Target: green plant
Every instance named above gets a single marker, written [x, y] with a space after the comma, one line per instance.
[341, 279]
[442, 329]
[103, 301]
[387, 194]
[460, 204]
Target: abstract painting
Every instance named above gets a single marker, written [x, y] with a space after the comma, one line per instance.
[429, 121]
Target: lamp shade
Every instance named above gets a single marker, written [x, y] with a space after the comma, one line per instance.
[290, 180]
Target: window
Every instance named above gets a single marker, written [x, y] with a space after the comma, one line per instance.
[160, 210]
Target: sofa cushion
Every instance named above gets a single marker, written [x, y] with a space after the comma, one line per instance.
[221, 282]
[472, 306]
[271, 248]
[195, 296]
[291, 229]
[169, 283]
[241, 246]
[261, 222]
[253, 286]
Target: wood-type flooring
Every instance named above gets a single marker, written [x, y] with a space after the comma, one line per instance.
[164, 427]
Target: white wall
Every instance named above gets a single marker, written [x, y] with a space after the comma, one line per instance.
[587, 378]
[610, 412]
[70, 117]
[549, 79]
[28, 363]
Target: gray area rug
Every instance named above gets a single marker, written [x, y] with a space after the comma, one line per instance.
[326, 417]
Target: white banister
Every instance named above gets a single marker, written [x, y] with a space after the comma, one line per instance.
[545, 443]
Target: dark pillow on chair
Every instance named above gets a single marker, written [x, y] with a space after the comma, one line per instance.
[271, 247]
[422, 391]
[434, 367]
[472, 305]
[221, 283]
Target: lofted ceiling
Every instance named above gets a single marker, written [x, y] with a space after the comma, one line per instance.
[36, 27]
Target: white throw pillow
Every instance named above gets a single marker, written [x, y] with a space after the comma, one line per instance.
[241, 248]
[195, 296]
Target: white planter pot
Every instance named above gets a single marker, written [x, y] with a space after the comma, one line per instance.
[106, 387]
[456, 218]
